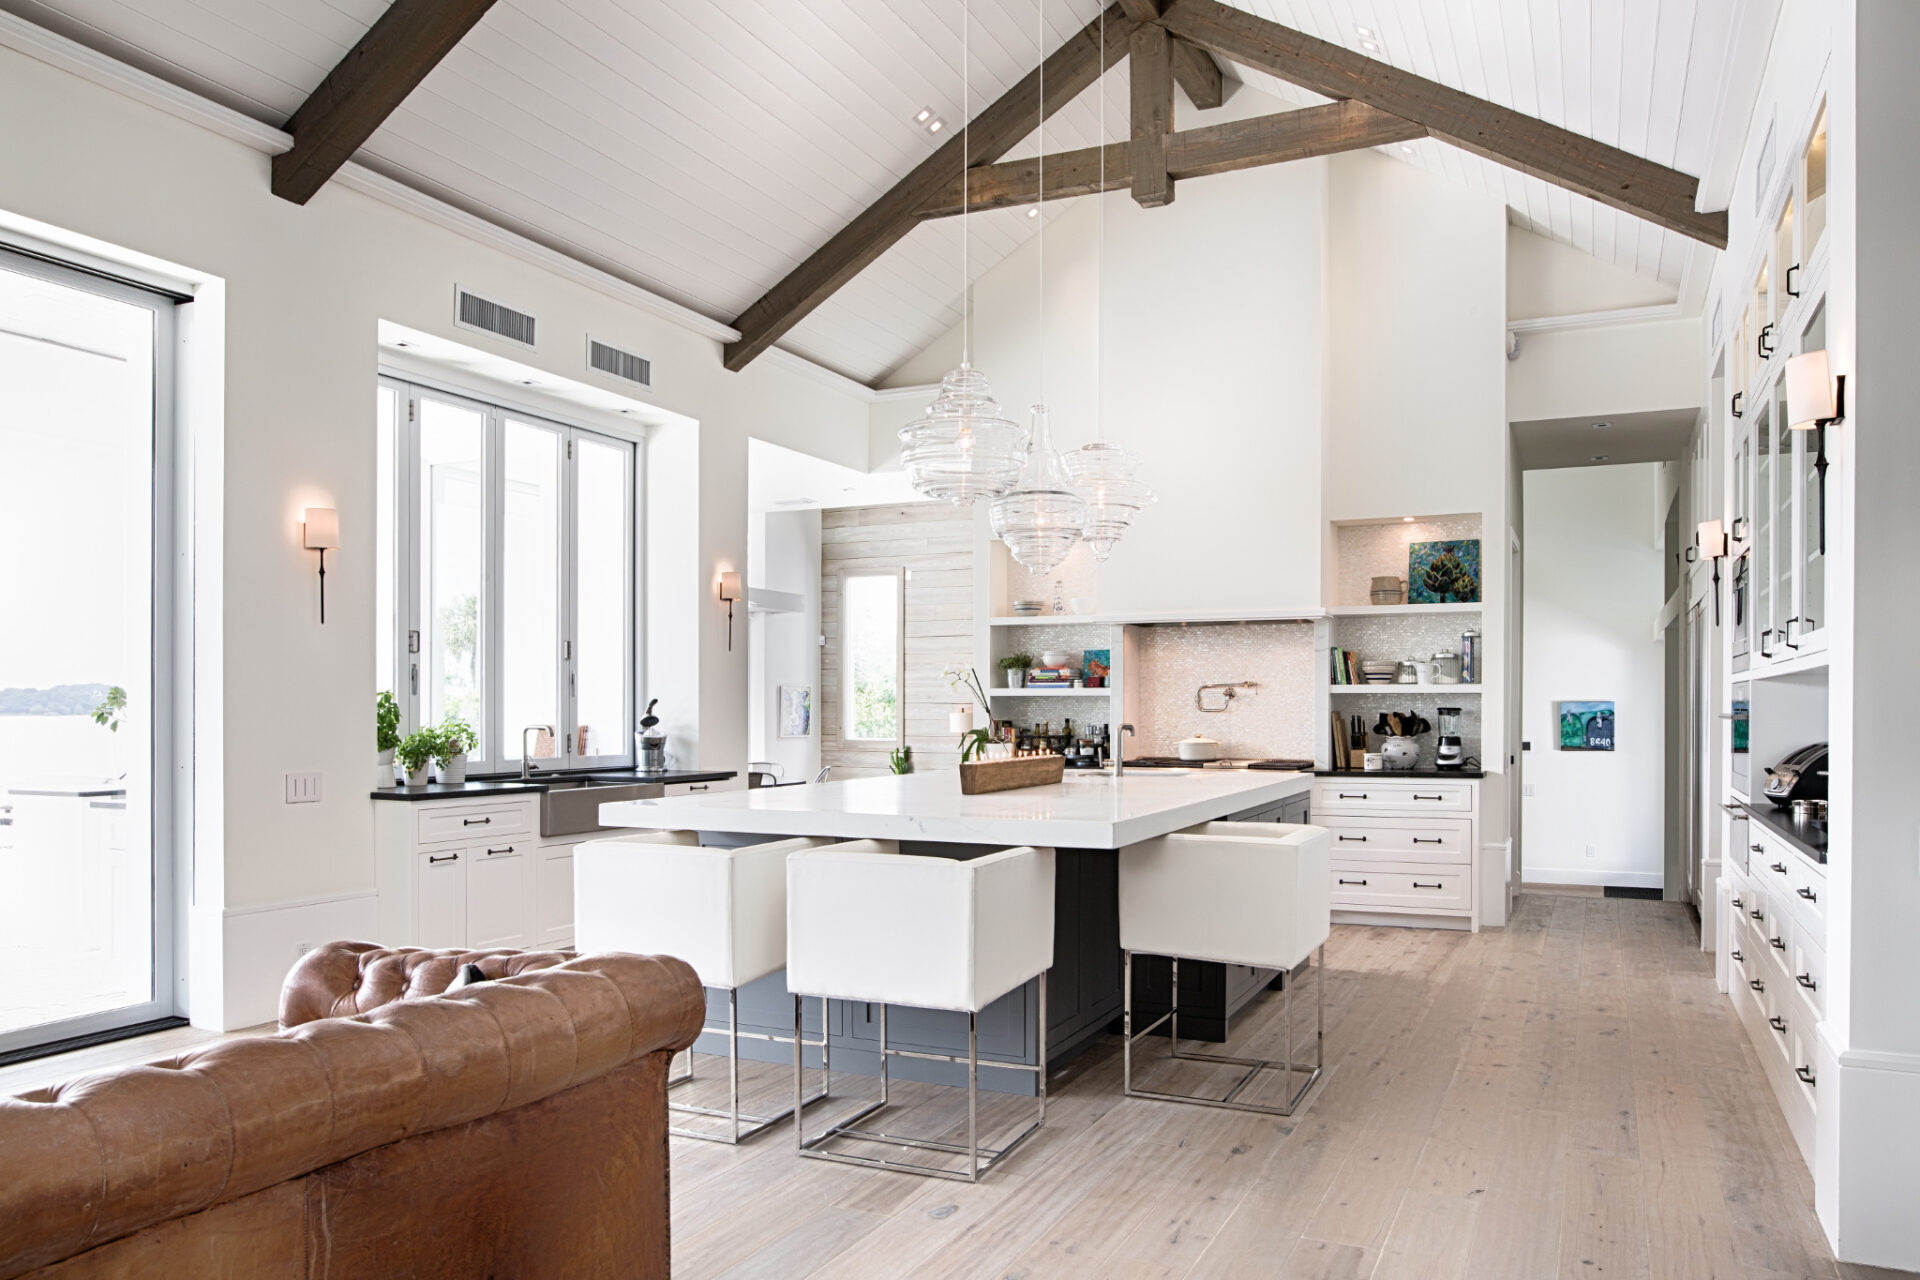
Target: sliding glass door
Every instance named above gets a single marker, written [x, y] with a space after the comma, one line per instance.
[85, 708]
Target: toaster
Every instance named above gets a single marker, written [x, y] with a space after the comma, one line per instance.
[1800, 776]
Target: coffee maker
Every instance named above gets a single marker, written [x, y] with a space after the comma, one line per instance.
[1448, 754]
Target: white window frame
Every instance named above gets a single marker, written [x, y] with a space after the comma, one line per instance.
[497, 738]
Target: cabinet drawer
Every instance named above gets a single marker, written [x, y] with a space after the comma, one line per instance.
[1360, 886]
[437, 825]
[1808, 964]
[1366, 795]
[1806, 895]
[702, 788]
[1443, 840]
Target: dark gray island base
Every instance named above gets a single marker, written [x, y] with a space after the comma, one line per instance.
[1083, 991]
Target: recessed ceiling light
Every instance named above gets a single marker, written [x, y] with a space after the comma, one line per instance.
[925, 114]
[1406, 519]
[403, 344]
[529, 382]
[1370, 46]
[1601, 426]
[1364, 33]
[936, 124]
[1598, 457]
[1034, 212]
[1404, 147]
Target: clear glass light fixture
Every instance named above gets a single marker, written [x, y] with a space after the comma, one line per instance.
[1107, 479]
[963, 448]
[1041, 520]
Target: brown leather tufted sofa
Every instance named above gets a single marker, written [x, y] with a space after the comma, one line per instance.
[515, 1128]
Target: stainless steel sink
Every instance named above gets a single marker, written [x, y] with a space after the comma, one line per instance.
[571, 806]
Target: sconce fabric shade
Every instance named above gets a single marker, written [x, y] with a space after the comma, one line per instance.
[322, 529]
[1809, 391]
[1713, 539]
[729, 586]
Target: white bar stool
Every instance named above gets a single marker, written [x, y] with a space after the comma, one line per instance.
[723, 911]
[1253, 893]
[867, 923]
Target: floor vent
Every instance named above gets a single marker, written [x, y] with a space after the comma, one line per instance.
[471, 311]
[1634, 891]
[621, 364]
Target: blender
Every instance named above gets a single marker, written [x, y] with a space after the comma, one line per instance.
[1448, 754]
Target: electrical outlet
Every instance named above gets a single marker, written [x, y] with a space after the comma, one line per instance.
[1526, 789]
[303, 788]
[1589, 851]
[301, 948]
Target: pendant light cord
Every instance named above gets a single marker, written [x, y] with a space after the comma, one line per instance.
[966, 162]
[1040, 196]
[1100, 248]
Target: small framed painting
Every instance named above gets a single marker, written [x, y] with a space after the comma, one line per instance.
[1444, 572]
[1586, 726]
[796, 710]
[1098, 663]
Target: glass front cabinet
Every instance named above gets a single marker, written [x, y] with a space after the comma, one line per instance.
[1776, 490]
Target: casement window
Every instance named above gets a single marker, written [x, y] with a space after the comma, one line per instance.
[873, 627]
[506, 547]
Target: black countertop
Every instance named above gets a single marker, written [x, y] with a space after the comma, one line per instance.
[1399, 773]
[512, 784]
[1804, 836]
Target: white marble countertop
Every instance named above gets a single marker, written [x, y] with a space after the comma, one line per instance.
[1084, 811]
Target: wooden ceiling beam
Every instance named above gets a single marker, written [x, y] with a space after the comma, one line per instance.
[362, 90]
[1150, 75]
[1193, 69]
[1190, 153]
[1076, 64]
[1663, 196]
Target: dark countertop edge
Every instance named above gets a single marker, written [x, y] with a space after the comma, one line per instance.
[515, 787]
[1390, 774]
[1779, 822]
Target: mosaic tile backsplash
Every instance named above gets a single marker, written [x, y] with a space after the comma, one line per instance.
[1365, 551]
[1275, 720]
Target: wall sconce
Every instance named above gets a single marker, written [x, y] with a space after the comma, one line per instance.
[1816, 400]
[1710, 542]
[321, 532]
[729, 591]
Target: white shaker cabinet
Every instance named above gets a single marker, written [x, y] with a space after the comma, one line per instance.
[471, 873]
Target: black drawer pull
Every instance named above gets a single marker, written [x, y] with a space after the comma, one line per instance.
[1757, 848]
[1778, 944]
[1805, 980]
[1435, 885]
[475, 822]
[1757, 914]
[1806, 893]
[1360, 839]
[452, 857]
[1737, 956]
[1781, 867]
[697, 786]
[1806, 1076]
[1349, 795]
[1418, 796]
[1425, 840]
[508, 849]
[1756, 984]
[1361, 882]
[1738, 903]
[1778, 1023]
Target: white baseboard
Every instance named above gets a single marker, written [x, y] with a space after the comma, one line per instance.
[1867, 1154]
[240, 955]
[1533, 875]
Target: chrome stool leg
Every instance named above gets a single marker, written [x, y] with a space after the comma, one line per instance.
[731, 1113]
[1254, 1065]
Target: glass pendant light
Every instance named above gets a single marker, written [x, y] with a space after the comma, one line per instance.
[964, 448]
[1106, 476]
[1041, 520]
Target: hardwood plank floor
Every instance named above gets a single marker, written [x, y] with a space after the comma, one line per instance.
[1568, 1096]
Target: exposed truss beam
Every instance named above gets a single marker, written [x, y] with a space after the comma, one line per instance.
[357, 96]
[1628, 182]
[1076, 64]
[1150, 74]
[1193, 69]
[1191, 153]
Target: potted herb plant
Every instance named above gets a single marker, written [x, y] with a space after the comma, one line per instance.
[454, 738]
[415, 753]
[900, 759]
[1015, 665]
[386, 736]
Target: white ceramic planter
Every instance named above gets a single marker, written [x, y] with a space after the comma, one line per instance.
[418, 777]
[383, 774]
[453, 772]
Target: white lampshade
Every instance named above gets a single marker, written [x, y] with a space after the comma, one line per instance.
[1713, 539]
[1809, 391]
[729, 586]
[322, 529]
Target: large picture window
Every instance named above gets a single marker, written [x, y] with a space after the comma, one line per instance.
[507, 558]
[872, 624]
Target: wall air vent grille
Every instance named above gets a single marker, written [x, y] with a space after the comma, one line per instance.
[471, 311]
[621, 364]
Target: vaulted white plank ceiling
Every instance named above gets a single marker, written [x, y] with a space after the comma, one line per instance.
[703, 148]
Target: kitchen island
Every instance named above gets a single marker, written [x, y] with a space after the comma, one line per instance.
[1084, 817]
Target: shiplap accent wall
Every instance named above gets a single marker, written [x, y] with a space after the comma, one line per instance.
[933, 543]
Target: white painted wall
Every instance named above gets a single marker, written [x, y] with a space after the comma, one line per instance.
[1606, 369]
[785, 647]
[304, 289]
[1548, 278]
[1593, 591]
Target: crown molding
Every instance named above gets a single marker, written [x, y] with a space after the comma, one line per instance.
[1599, 319]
